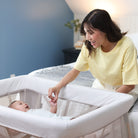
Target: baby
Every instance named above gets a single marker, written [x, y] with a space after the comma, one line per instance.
[20, 105]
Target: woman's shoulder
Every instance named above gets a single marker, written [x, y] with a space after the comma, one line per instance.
[84, 50]
[126, 45]
[126, 42]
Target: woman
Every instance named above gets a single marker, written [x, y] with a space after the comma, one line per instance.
[110, 56]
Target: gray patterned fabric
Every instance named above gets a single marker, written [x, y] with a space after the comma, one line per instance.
[58, 72]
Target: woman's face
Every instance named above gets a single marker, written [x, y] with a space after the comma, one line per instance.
[94, 36]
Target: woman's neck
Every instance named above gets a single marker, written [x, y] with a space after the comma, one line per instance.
[108, 46]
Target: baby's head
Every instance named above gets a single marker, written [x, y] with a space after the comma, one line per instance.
[19, 105]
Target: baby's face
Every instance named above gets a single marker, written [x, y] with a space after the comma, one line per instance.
[20, 105]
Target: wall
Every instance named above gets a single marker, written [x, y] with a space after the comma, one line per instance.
[123, 12]
[32, 35]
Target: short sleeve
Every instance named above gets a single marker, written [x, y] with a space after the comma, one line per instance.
[130, 67]
[82, 60]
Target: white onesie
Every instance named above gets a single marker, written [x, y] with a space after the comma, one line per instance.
[43, 113]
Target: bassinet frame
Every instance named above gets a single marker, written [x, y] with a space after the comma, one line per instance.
[112, 106]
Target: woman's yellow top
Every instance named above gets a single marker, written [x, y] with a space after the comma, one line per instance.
[117, 67]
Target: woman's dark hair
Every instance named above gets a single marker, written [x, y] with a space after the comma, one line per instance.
[101, 20]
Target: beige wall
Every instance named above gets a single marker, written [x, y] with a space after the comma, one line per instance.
[124, 12]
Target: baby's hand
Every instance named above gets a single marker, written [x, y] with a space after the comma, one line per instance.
[53, 106]
[53, 103]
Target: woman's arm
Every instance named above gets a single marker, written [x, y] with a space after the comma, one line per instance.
[69, 77]
[125, 88]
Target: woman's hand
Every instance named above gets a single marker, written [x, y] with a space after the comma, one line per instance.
[125, 88]
[53, 94]
[69, 77]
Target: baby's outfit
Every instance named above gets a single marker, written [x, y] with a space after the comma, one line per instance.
[43, 113]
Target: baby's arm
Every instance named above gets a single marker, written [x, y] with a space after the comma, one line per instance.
[53, 107]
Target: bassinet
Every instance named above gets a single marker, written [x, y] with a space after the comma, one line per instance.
[107, 115]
